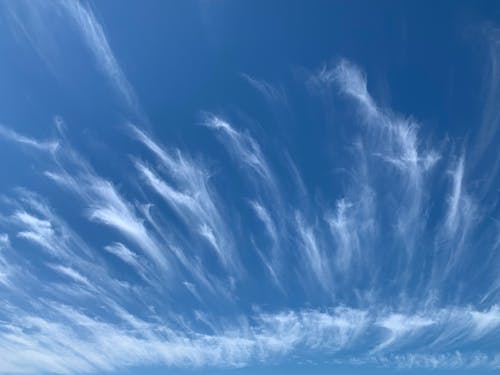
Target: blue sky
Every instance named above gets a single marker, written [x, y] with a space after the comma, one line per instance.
[229, 187]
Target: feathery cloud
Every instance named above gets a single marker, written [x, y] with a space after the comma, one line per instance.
[48, 146]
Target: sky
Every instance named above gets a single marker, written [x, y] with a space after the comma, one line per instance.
[238, 188]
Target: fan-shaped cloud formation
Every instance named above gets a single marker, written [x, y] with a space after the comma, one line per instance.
[159, 263]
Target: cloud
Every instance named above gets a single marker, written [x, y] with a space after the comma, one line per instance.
[244, 148]
[37, 230]
[452, 218]
[345, 233]
[369, 270]
[269, 207]
[399, 326]
[273, 261]
[95, 39]
[270, 92]
[451, 361]
[266, 219]
[485, 322]
[105, 205]
[392, 151]
[72, 274]
[85, 344]
[192, 198]
[43, 24]
[351, 81]
[122, 252]
[314, 255]
[461, 215]
[5, 269]
[487, 134]
[88, 345]
[4, 240]
[48, 146]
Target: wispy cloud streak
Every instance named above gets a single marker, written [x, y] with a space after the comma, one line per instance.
[107, 206]
[9, 134]
[165, 268]
[193, 199]
[270, 92]
[244, 148]
[96, 40]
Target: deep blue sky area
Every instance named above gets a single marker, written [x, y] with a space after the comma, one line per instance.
[262, 187]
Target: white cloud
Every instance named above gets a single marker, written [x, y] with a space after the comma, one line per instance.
[269, 91]
[452, 218]
[96, 40]
[79, 342]
[266, 219]
[122, 252]
[37, 230]
[486, 321]
[111, 209]
[4, 240]
[72, 274]
[81, 338]
[105, 205]
[400, 326]
[344, 231]
[192, 198]
[48, 146]
[314, 255]
[244, 148]
[273, 261]
[352, 82]
[85, 344]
